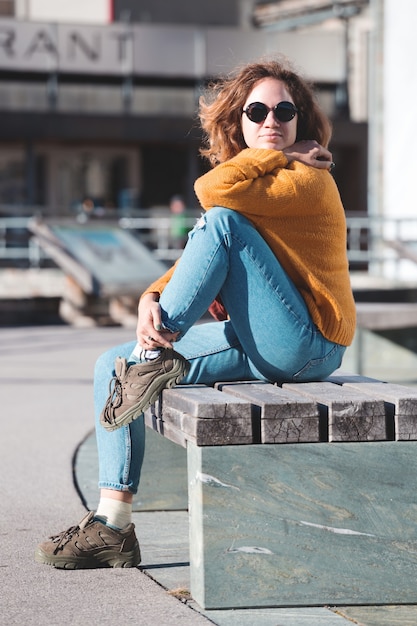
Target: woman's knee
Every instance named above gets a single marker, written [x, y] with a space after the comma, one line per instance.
[220, 212]
[223, 219]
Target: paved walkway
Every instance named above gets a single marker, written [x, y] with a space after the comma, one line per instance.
[46, 379]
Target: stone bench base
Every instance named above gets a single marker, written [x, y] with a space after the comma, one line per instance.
[303, 524]
[299, 495]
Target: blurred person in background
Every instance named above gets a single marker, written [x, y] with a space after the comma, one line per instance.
[179, 226]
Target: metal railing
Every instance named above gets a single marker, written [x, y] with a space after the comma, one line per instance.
[378, 240]
[373, 240]
[17, 243]
[156, 232]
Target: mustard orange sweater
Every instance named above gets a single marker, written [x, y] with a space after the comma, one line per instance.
[298, 211]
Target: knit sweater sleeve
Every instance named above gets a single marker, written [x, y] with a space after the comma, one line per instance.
[248, 182]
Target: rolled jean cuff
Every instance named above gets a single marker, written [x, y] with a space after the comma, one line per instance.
[117, 487]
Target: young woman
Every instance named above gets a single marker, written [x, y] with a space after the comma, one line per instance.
[268, 258]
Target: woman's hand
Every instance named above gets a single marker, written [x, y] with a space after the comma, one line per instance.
[310, 152]
[149, 331]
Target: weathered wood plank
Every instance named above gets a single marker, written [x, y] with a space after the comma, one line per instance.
[400, 402]
[345, 407]
[204, 402]
[154, 422]
[285, 417]
[403, 398]
[351, 415]
[207, 432]
[175, 435]
[203, 415]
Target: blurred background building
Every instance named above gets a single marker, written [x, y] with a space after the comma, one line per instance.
[98, 103]
[98, 99]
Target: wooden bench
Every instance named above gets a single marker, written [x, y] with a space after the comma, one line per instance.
[298, 495]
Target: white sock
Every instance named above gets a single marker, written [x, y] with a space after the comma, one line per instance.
[140, 355]
[114, 513]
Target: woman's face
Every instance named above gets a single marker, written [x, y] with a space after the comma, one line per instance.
[269, 133]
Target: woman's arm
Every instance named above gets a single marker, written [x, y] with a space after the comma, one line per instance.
[258, 178]
[246, 179]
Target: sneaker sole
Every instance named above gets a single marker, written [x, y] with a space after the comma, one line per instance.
[165, 381]
[105, 558]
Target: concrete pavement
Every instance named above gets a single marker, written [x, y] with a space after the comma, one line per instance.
[46, 377]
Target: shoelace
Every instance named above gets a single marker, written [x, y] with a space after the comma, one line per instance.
[114, 400]
[63, 538]
[66, 535]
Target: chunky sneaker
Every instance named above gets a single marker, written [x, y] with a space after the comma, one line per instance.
[90, 544]
[135, 387]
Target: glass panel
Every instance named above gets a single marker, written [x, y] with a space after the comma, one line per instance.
[72, 98]
[93, 184]
[12, 177]
[19, 96]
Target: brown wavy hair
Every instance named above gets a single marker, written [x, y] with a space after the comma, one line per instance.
[221, 106]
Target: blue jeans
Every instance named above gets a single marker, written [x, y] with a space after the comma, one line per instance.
[270, 334]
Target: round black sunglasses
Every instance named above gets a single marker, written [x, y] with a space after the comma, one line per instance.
[283, 111]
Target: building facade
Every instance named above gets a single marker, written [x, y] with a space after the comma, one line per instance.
[98, 100]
